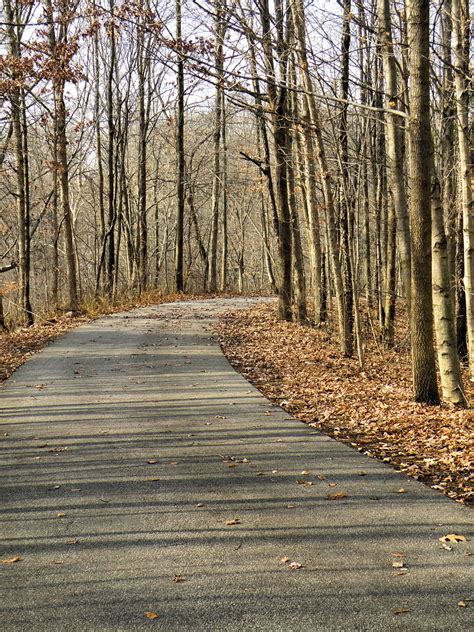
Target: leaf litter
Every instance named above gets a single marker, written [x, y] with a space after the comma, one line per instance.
[302, 370]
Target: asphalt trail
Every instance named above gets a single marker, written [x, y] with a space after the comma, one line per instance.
[129, 443]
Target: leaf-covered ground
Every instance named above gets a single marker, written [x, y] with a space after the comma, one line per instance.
[17, 346]
[302, 370]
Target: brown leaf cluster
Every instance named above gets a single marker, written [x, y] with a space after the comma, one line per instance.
[17, 346]
[302, 370]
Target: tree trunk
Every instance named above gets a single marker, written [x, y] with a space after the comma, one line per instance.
[22, 196]
[63, 163]
[388, 322]
[225, 237]
[219, 30]
[109, 245]
[299, 20]
[346, 211]
[394, 145]
[279, 104]
[143, 121]
[179, 244]
[421, 160]
[448, 358]
[461, 40]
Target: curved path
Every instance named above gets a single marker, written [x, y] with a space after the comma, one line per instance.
[140, 473]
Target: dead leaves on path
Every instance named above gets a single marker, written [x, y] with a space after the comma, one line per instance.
[177, 579]
[13, 560]
[301, 369]
[452, 538]
[336, 496]
[294, 566]
[151, 615]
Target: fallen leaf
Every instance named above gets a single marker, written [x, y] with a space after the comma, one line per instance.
[232, 465]
[179, 578]
[305, 473]
[453, 537]
[60, 514]
[152, 462]
[336, 496]
[295, 566]
[274, 471]
[402, 490]
[72, 542]
[12, 560]
[398, 564]
[151, 615]
[401, 610]
[232, 522]
[321, 477]
[57, 562]
[462, 604]
[284, 560]
[152, 478]
[200, 505]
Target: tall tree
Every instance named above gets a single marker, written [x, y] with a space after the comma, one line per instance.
[421, 159]
[448, 359]
[180, 159]
[16, 95]
[395, 143]
[219, 35]
[461, 47]
[61, 51]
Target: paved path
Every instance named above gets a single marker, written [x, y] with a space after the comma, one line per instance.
[130, 442]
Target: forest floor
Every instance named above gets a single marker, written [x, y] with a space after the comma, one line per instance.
[302, 370]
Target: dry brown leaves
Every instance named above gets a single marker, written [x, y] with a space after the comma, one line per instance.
[302, 370]
[17, 346]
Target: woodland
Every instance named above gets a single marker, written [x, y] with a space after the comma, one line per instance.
[321, 152]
